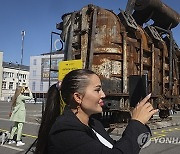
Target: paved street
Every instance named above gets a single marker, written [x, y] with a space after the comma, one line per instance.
[30, 129]
[165, 139]
[165, 136]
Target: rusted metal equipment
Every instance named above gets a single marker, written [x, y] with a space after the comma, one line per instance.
[118, 49]
[162, 15]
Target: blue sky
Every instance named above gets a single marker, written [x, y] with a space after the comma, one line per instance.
[39, 17]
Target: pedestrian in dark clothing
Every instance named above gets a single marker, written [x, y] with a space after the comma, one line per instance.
[35, 99]
[75, 132]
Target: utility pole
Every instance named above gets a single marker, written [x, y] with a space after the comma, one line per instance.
[22, 48]
[22, 45]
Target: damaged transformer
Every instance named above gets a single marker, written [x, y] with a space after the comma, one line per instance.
[132, 58]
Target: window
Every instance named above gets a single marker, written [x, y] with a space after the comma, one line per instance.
[34, 62]
[4, 74]
[3, 85]
[11, 75]
[41, 86]
[10, 85]
[17, 84]
[34, 72]
[8, 75]
[22, 76]
[33, 85]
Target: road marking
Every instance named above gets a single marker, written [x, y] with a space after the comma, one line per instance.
[32, 123]
[11, 147]
[163, 133]
[27, 135]
[177, 128]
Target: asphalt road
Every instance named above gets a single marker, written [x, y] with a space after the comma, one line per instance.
[30, 129]
[164, 140]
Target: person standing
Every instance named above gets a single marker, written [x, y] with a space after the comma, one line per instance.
[18, 114]
[67, 126]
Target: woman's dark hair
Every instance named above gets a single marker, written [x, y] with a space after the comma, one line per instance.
[74, 81]
[52, 111]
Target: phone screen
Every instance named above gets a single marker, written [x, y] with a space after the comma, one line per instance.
[138, 88]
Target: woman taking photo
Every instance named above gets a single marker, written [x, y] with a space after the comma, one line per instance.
[18, 114]
[75, 132]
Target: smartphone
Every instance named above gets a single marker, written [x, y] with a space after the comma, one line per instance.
[138, 88]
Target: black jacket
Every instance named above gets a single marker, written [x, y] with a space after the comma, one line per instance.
[69, 136]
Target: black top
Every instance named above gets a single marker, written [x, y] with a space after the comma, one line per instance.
[69, 136]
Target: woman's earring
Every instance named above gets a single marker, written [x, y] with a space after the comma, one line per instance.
[77, 108]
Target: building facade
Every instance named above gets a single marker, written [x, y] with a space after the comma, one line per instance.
[13, 75]
[1, 72]
[39, 79]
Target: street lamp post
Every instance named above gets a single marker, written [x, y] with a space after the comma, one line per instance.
[50, 68]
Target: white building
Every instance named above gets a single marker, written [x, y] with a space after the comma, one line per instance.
[40, 70]
[1, 72]
[13, 75]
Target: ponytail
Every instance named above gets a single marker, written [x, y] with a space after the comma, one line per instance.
[52, 111]
[62, 104]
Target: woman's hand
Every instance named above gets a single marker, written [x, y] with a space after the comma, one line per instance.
[143, 111]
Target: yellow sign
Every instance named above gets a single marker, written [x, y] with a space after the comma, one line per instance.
[67, 66]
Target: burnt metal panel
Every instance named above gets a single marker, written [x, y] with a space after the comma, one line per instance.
[155, 10]
[90, 49]
[115, 52]
[125, 67]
